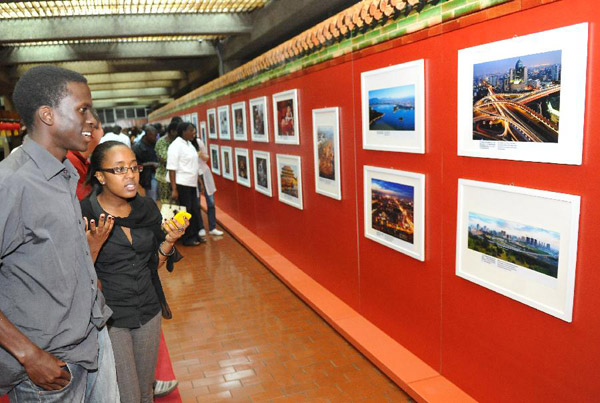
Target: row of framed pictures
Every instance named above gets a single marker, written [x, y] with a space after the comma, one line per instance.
[519, 242]
[285, 116]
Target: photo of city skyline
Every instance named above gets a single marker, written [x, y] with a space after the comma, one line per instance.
[518, 98]
[392, 209]
[392, 109]
[530, 247]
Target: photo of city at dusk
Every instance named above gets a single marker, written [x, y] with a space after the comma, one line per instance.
[518, 98]
[530, 247]
[392, 209]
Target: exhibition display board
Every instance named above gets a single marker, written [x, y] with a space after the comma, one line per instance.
[474, 250]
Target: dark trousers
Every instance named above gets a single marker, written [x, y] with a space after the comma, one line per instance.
[188, 197]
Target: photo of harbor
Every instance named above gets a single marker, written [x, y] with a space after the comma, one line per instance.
[392, 109]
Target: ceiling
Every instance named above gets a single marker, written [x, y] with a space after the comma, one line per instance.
[146, 53]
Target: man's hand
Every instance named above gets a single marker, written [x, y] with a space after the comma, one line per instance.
[45, 370]
[174, 195]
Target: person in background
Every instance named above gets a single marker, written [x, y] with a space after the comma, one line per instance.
[161, 148]
[146, 156]
[114, 134]
[183, 168]
[80, 160]
[207, 182]
[127, 263]
[53, 342]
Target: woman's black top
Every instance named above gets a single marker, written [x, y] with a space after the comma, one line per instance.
[128, 270]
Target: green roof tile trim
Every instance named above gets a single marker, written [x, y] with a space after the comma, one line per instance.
[431, 15]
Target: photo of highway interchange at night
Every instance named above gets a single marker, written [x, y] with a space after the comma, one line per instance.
[518, 99]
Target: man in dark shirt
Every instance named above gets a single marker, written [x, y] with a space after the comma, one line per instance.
[54, 346]
[146, 156]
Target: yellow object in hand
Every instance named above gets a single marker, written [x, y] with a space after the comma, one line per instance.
[181, 215]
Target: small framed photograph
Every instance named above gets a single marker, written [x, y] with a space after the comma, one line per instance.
[194, 120]
[519, 242]
[285, 115]
[224, 127]
[227, 159]
[239, 121]
[262, 172]
[203, 132]
[211, 118]
[524, 98]
[326, 139]
[289, 180]
[393, 108]
[395, 209]
[242, 167]
[259, 128]
[215, 164]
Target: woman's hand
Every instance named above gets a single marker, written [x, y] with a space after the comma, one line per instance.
[98, 234]
[174, 229]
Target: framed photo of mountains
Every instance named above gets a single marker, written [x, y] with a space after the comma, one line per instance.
[393, 108]
[523, 98]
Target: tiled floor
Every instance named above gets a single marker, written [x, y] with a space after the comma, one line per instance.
[238, 334]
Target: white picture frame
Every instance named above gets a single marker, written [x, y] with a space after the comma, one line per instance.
[393, 108]
[259, 119]
[538, 105]
[227, 162]
[326, 142]
[238, 111]
[262, 172]
[384, 190]
[215, 162]
[224, 122]
[242, 167]
[203, 135]
[211, 121]
[519, 242]
[285, 117]
[289, 180]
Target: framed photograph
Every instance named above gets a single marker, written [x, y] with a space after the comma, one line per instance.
[285, 116]
[194, 119]
[215, 164]
[524, 98]
[259, 128]
[211, 118]
[227, 159]
[519, 242]
[224, 127]
[242, 166]
[326, 139]
[203, 132]
[262, 172]
[393, 108]
[395, 209]
[289, 180]
[239, 121]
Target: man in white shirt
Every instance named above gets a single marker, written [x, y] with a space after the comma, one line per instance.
[114, 134]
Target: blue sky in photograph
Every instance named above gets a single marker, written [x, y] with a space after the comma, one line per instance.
[392, 187]
[404, 91]
[503, 65]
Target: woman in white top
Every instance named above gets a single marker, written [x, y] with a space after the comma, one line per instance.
[182, 165]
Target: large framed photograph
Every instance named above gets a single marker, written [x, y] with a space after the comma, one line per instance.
[259, 128]
[285, 116]
[262, 172]
[524, 98]
[224, 127]
[203, 133]
[211, 118]
[215, 164]
[326, 139]
[519, 242]
[239, 121]
[242, 166]
[289, 180]
[393, 108]
[227, 160]
[395, 209]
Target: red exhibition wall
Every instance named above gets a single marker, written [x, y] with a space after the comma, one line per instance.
[493, 347]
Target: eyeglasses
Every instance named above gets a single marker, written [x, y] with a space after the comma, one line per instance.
[123, 170]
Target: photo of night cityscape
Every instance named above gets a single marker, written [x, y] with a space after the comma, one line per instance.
[530, 247]
[392, 209]
[392, 108]
[518, 98]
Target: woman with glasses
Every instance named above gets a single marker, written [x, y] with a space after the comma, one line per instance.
[127, 263]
